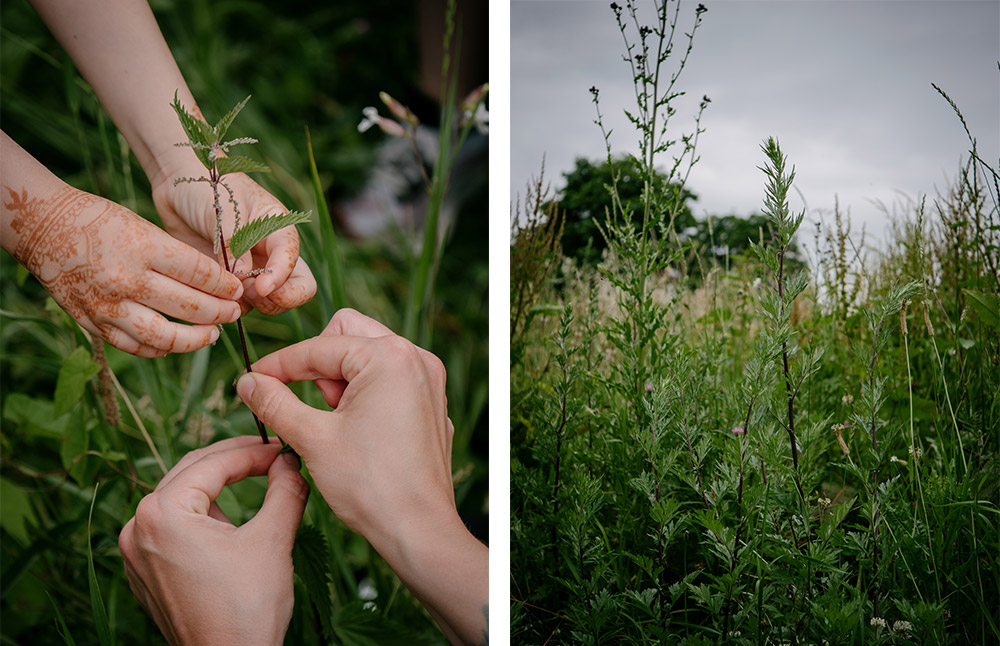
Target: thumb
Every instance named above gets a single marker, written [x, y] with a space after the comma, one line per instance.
[278, 407]
[287, 492]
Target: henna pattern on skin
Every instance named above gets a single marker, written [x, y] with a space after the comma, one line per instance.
[95, 258]
[64, 261]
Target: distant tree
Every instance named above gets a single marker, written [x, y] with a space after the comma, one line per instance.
[585, 201]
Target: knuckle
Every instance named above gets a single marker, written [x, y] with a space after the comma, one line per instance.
[148, 517]
[343, 318]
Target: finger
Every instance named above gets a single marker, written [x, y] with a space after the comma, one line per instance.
[278, 407]
[176, 299]
[124, 341]
[320, 357]
[282, 252]
[191, 267]
[216, 512]
[281, 513]
[332, 389]
[195, 488]
[152, 329]
[348, 322]
[297, 290]
[193, 456]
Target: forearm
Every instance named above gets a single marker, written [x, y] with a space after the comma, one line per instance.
[24, 181]
[119, 49]
[448, 570]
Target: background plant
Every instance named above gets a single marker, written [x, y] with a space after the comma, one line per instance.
[659, 490]
[123, 427]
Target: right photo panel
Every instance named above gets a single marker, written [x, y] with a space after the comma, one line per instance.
[754, 322]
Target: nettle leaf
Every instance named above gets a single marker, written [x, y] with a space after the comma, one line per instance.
[311, 559]
[76, 371]
[199, 133]
[240, 164]
[226, 121]
[254, 231]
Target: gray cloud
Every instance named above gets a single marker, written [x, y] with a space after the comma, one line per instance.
[845, 86]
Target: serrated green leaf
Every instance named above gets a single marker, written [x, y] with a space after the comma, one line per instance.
[199, 133]
[987, 306]
[311, 559]
[253, 232]
[359, 626]
[240, 164]
[226, 121]
[78, 368]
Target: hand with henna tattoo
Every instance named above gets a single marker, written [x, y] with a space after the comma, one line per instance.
[115, 273]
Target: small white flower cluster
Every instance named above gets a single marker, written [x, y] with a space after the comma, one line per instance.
[915, 452]
[825, 502]
[900, 626]
[847, 399]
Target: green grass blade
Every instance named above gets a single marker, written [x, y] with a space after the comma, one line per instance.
[104, 633]
[61, 623]
[335, 295]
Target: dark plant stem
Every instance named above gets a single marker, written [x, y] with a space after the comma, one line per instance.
[214, 177]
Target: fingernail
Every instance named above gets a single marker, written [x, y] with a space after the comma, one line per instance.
[245, 386]
[213, 336]
[292, 459]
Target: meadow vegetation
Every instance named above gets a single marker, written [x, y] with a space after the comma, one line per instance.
[775, 452]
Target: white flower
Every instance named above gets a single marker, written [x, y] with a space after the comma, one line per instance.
[902, 626]
[371, 119]
[877, 621]
[481, 119]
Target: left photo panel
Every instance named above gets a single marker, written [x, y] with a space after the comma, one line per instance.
[243, 322]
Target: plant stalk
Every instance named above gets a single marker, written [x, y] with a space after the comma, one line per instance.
[214, 177]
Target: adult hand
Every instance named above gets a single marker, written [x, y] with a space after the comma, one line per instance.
[113, 271]
[382, 459]
[384, 456]
[203, 580]
[188, 213]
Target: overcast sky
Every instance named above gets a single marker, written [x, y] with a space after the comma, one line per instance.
[844, 85]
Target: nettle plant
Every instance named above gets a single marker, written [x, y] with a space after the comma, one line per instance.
[209, 144]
